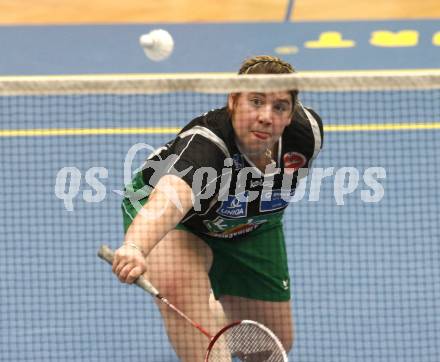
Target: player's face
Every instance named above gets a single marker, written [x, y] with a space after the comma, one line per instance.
[259, 119]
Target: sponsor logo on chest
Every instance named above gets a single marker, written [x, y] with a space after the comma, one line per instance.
[238, 161]
[275, 200]
[236, 206]
[227, 228]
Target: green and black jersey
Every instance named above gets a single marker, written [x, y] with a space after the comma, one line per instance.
[232, 198]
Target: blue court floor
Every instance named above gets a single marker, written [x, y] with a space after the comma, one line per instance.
[365, 276]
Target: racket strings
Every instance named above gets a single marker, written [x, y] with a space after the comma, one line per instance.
[247, 342]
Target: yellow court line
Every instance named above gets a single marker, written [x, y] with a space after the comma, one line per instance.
[51, 132]
[382, 127]
[54, 132]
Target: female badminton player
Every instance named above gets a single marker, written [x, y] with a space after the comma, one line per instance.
[203, 218]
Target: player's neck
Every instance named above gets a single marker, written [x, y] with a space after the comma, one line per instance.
[262, 160]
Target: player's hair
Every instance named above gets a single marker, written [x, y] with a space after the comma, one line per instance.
[266, 64]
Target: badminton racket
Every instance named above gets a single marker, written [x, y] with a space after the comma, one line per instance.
[243, 340]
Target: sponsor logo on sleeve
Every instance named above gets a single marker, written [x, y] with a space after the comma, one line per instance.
[293, 161]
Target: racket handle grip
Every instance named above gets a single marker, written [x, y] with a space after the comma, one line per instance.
[106, 254]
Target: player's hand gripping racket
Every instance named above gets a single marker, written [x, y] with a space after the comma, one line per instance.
[239, 341]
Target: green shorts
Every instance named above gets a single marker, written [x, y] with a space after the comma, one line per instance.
[253, 267]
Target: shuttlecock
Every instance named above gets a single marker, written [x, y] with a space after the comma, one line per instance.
[157, 44]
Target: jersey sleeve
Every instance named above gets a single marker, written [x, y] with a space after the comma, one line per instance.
[199, 160]
[320, 125]
[312, 134]
[302, 141]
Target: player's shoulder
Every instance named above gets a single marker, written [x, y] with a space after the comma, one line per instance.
[305, 133]
[305, 123]
[212, 129]
[213, 126]
[215, 120]
[305, 118]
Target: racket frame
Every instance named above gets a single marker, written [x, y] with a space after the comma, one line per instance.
[244, 321]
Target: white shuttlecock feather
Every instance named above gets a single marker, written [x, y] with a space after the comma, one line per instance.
[157, 44]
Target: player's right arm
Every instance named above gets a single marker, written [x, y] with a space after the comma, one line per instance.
[171, 199]
[167, 204]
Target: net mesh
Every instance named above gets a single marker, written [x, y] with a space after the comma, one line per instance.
[362, 234]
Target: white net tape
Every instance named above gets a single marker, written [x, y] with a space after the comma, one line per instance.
[215, 83]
